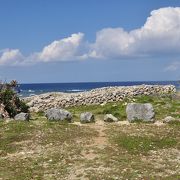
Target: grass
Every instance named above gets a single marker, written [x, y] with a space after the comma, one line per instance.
[50, 150]
[142, 145]
[141, 151]
[29, 150]
[13, 132]
[116, 109]
[175, 123]
[40, 149]
[164, 106]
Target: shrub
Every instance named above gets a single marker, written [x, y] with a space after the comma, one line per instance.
[9, 98]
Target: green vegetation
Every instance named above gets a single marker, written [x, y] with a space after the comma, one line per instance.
[164, 106]
[8, 97]
[117, 109]
[40, 149]
[139, 144]
[13, 132]
[36, 149]
[140, 151]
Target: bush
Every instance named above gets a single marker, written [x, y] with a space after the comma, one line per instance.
[9, 98]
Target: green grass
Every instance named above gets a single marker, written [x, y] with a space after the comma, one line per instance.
[141, 145]
[13, 132]
[117, 109]
[53, 146]
[175, 123]
[164, 105]
[142, 137]
[56, 148]
[140, 151]
[42, 149]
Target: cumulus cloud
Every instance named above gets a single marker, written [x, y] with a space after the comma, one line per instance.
[111, 42]
[159, 36]
[70, 48]
[11, 57]
[64, 49]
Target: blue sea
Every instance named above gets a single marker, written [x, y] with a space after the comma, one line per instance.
[35, 89]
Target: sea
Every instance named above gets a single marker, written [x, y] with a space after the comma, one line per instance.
[40, 88]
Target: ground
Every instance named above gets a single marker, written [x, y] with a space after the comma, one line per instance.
[40, 149]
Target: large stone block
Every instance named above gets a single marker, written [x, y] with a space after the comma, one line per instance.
[58, 114]
[138, 111]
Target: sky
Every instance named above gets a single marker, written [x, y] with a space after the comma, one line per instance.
[44, 41]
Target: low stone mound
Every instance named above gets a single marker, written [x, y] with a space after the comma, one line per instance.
[94, 97]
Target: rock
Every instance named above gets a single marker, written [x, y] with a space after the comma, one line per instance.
[58, 114]
[159, 123]
[86, 117]
[110, 118]
[168, 119]
[30, 104]
[34, 109]
[138, 111]
[94, 97]
[22, 116]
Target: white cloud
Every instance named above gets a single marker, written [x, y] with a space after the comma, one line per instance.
[159, 36]
[64, 49]
[111, 42]
[160, 33]
[173, 66]
[11, 57]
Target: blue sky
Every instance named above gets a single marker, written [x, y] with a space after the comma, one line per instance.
[92, 40]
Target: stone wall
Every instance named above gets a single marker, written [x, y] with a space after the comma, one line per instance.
[94, 97]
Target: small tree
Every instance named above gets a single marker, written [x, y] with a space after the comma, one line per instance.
[9, 98]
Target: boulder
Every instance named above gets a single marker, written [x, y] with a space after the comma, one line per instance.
[58, 114]
[138, 111]
[22, 116]
[168, 119]
[110, 118]
[86, 117]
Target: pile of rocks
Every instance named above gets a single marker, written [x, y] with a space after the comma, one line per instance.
[94, 97]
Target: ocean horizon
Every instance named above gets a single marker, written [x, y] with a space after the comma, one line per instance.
[40, 88]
